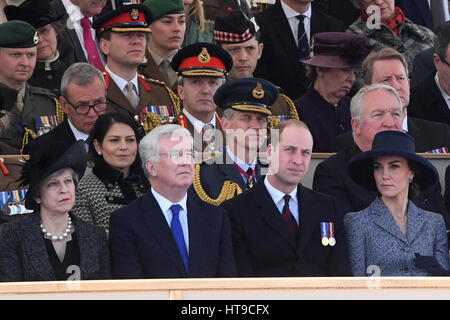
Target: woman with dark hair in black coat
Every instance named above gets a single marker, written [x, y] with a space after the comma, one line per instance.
[117, 177]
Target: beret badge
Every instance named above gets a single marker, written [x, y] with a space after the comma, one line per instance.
[36, 38]
[258, 92]
[204, 56]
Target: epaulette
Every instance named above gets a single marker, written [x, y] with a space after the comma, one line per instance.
[229, 189]
[176, 102]
[292, 108]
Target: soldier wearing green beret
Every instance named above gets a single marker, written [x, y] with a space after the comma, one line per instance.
[18, 41]
[166, 36]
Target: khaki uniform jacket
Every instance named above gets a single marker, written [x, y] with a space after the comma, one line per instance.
[37, 102]
[151, 70]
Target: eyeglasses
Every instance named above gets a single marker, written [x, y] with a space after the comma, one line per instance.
[443, 60]
[368, 1]
[177, 154]
[83, 108]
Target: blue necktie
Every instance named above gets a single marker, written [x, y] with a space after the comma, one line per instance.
[303, 45]
[177, 232]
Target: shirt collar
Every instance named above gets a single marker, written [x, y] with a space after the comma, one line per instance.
[73, 11]
[276, 194]
[405, 124]
[158, 59]
[291, 13]
[165, 203]
[78, 134]
[121, 83]
[444, 94]
[198, 125]
[241, 163]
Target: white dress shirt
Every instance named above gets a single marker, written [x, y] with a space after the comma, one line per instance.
[121, 83]
[241, 163]
[444, 94]
[165, 205]
[291, 16]
[79, 135]
[277, 197]
[198, 125]
[75, 16]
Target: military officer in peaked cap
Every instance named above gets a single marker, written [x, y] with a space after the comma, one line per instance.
[236, 34]
[123, 36]
[35, 107]
[245, 105]
[201, 69]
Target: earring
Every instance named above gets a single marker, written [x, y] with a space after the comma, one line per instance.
[99, 153]
[411, 180]
[38, 201]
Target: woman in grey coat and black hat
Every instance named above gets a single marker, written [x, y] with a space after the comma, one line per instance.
[393, 237]
[51, 243]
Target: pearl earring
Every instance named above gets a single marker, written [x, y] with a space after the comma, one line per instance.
[411, 180]
[99, 153]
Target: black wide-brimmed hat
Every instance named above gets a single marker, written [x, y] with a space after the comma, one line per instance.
[247, 94]
[390, 143]
[38, 13]
[338, 50]
[47, 158]
[202, 59]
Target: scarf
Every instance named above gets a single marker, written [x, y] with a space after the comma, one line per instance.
[394, 23]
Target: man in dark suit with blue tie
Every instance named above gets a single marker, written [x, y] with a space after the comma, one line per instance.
[281, 228]
[167, 233]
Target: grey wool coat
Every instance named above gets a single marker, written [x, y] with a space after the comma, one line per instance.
[376, 243]
[24, 257]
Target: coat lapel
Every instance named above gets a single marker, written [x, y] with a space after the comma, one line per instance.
[87, 251]
[383, 218]
[154, 218]
[36, 251]
[306, 214]
[269, 212]
[415, 222]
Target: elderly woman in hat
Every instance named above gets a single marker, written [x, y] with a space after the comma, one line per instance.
[325, 107]
[393, 237]
[385, 25]
[51, 243]
[54, 54]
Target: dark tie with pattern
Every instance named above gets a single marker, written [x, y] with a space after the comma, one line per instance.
[287, 215]
[303, 45]
[177, 232]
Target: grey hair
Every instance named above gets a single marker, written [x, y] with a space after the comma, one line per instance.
[149, 145]
[357, 103]
[82, 74]
[5, 120]
[228, 113]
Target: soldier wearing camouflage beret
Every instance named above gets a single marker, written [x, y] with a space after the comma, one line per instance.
[123, 37]
[34, 106]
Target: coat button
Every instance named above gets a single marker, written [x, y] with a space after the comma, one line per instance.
[110, 185]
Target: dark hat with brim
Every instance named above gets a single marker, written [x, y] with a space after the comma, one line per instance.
[247, 95]
[128, 18]
[338, 50]
[46, 159]
[233, 28]
[18, 34]
[390, 143]
[160, 8]
[202, 59]
[38, 13]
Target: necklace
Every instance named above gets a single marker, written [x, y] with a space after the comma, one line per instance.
[48, 235]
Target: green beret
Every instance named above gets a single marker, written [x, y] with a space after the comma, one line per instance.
[160, 8]
[18, 34]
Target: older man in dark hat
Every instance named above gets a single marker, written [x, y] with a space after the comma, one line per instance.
[166, 36]
[325, 107]
[237, 35]
[245, 105]
[201, 68]
[18, 41]
[123, 40]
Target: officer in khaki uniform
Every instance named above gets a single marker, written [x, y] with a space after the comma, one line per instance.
[123, 40]
[167, 31]
[236, 34]
[201, 69]
[18, 41]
